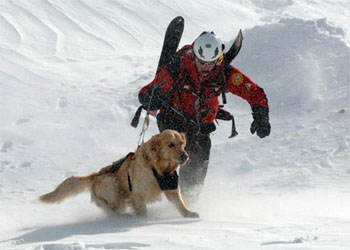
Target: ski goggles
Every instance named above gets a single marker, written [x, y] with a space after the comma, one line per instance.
[201, 62]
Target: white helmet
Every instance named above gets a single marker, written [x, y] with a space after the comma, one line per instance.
[207, 47]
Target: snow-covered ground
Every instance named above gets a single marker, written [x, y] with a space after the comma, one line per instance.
[70, 72]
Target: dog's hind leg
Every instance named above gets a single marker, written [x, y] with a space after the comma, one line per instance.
[104, 194]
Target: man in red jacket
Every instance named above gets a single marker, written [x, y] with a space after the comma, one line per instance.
[187, 90]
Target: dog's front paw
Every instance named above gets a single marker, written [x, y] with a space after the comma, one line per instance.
[191, 214]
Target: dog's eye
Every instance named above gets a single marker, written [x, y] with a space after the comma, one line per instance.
[171, 145]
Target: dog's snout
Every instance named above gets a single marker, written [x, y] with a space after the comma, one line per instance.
[184, 157]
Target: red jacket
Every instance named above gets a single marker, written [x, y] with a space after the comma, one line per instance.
[200, 100]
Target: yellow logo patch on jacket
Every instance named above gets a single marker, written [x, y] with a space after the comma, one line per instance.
[236, 79]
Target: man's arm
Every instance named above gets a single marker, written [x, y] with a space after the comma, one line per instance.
[241, 85]
[163, 82]
[151, 94]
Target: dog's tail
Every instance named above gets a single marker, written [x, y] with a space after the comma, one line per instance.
[68, 188]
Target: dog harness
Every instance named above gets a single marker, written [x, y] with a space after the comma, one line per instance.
[166, 181]
[117, 164]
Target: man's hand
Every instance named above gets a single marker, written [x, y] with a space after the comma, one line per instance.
[153, 113]
[261, 124]
[152, 99]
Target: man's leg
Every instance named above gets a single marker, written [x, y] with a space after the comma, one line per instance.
[198, 146]
[193, 173]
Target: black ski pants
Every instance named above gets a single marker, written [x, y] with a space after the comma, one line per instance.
[192, 174]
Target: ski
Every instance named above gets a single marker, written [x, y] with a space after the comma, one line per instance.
[235, 48]
[171, 41]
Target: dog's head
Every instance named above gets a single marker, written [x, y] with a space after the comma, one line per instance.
[169, 146]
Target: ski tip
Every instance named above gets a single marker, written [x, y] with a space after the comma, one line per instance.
[240, 34]
[178, 19]
[239, 39]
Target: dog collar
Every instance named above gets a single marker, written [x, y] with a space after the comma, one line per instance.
[166, 181]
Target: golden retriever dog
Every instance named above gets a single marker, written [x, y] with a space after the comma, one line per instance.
[135, 180]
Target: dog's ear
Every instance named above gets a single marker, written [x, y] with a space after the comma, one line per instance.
[183, 136]
[155, 144]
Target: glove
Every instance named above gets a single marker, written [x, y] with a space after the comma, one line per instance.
[261, 124]
[152, 98]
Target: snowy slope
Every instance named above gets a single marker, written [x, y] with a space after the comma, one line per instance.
[70, 72]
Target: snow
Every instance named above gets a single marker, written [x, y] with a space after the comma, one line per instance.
[70, 72]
